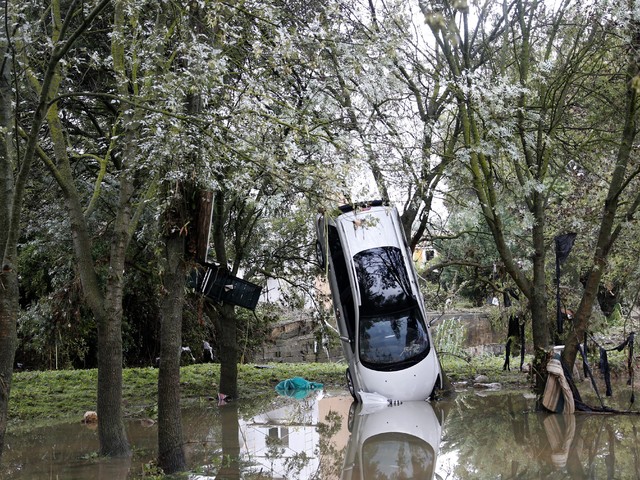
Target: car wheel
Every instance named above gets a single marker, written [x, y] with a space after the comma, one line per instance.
[350, 386]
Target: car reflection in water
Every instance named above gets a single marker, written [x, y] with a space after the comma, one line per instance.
[392, 442]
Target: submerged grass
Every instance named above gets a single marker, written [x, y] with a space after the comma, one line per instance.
[51, 396]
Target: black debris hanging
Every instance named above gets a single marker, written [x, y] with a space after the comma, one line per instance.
[216, 284]
[604, 363]
[507, 354]
[587, 368]
[564, 244]
[580, 405]
[515, 330]
[606, 371]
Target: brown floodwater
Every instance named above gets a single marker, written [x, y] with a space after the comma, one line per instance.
[473, 435]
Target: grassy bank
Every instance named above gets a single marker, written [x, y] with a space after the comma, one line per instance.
[67, 394]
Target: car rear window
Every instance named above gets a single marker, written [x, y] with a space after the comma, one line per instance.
[383, 280]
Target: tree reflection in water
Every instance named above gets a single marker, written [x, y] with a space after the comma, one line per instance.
[383, 280]
[501, 435]
[331, 456]
[230, 462]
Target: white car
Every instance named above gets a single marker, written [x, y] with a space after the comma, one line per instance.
[379, 309]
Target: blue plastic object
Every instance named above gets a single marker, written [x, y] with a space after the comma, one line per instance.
[296, 387]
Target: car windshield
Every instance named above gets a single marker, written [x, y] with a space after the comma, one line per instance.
[391, 341]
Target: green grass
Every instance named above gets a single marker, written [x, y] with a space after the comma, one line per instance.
[65, 395]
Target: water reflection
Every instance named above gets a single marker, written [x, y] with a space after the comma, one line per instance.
[230, 462]
[325, 436]
[500, 435]
[392, 442]
[293, 441]
[560, 430]
[64, 452]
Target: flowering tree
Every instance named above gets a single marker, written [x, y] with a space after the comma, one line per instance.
[523, 118]
[382, 83]
[622, 202]
[65, 33]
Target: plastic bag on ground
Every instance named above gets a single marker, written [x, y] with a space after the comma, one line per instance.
[296, 387]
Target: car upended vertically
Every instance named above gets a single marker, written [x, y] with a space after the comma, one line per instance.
[379, 310]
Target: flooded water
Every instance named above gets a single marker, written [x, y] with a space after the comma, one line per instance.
[474, 435]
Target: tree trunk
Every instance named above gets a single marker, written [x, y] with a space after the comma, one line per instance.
[198, 242]
[608, 232]
[8, 341]
[225, 316]
[538, 300]
[228, 350]
[107, 307]
[111, 430]
[107, 311]
[171, 457]
[8, 274]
